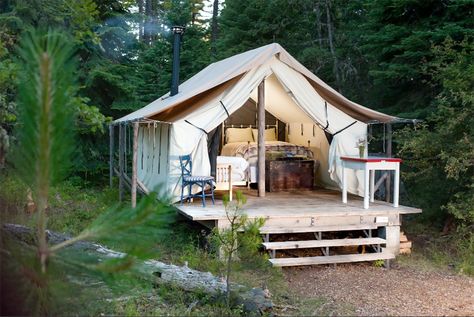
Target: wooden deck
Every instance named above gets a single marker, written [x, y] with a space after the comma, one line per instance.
[320, 202]
[314, 214]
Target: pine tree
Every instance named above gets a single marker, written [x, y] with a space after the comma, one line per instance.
[397, 37]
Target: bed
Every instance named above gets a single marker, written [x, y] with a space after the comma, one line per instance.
[249, 152]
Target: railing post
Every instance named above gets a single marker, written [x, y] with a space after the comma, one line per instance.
[134, 165]
[121, 141]
[111, 154]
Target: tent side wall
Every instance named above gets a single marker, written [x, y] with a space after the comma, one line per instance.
[153, 156]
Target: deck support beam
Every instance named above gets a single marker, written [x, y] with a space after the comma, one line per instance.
[392, 235]
[261, 139]
[134, 165]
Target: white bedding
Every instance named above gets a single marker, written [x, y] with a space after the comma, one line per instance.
[249, 152]
[239, 166]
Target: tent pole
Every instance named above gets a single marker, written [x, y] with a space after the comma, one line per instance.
[261, 139]
[111, 154]
[134, 165]
[121, 134]
[389, 154]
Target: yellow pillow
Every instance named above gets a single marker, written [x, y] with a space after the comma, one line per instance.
[238, 135]
[270, 134]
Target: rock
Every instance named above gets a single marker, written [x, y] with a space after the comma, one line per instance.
[255, 302]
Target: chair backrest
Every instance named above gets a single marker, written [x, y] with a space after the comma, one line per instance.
[186, 165]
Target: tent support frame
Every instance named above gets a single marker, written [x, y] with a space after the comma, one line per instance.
[134, 165]
[121, 154]
[261, 138]
[389, 154]
[111, 155]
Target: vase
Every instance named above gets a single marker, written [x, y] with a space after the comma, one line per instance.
[361, 151]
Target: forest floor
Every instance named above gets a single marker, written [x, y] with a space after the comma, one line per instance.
[408, 288]
[427, 282]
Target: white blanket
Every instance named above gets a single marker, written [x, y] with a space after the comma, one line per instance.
[239, 166]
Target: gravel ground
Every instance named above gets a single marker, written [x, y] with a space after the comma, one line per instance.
[368, 290]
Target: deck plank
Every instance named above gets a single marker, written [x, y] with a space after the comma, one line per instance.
[286, 245]
[332, 259]
[320, 202]
[328, 228]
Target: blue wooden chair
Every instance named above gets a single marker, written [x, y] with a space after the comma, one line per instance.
[190, 180]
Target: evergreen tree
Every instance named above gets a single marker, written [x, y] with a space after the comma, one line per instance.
[154, 64]
[396, 38]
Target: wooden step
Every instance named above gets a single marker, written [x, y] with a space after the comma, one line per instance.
[277, 230]
[403, 237]
[321, 243]
[332, 259]
[405, 245]
[405, 251]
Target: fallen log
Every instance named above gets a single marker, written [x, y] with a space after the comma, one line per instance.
[253, 301]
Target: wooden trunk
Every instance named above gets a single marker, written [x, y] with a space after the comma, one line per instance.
[289, 175]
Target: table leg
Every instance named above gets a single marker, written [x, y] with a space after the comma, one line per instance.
[366, 187]
[344, 184]
[372, 185]
[396, 186]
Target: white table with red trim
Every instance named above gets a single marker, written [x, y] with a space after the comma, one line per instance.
[369, 165]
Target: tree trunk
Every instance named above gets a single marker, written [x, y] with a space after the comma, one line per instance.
[214, 29]
[319, 24]
[140, 23]
[147, 29]
[330, 27]
[252, 300]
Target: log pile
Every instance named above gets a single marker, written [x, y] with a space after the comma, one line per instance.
[405, 244]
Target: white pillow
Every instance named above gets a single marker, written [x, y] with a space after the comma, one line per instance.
[238, 135]
[270, 134]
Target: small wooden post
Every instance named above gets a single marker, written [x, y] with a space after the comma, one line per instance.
[134, 165]
[261, 139]
[121, 140]
[388, 193]
[111, 154]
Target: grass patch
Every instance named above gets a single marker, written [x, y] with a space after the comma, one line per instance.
[73, 207]
[433, 250]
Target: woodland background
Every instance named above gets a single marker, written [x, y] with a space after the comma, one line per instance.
[409, 58]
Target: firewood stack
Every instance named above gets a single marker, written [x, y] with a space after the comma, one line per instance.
[405, 245]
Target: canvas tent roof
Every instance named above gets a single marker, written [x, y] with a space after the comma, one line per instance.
[218, 76]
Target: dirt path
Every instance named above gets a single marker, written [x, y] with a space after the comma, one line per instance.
[368, 290]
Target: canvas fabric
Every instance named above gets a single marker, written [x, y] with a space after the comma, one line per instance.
[290, 96]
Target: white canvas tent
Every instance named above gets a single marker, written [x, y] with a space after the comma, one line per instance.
[177, 125]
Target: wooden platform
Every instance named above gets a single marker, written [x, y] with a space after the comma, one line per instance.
[319, 212]
[320, 202]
